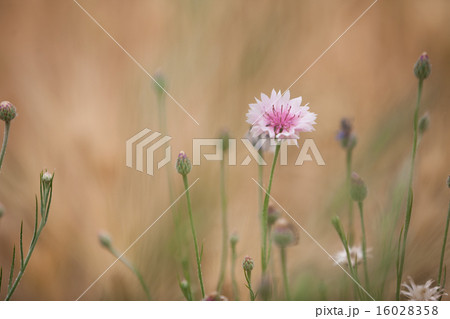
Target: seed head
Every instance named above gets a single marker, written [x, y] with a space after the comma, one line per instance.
[358, 189]
[7, 111]
[422, 68]
[183, 164]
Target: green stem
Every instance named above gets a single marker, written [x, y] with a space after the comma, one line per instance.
[350, 201]
[410, 192]
[265, 225]
[5, 142]
[136, 272]
[364, 245]
[224, 228]
[441, 264]
[248, 278]
[233, 274]
[285, 278]
[197, 255]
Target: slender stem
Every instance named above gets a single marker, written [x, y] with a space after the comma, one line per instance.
[265, 225]
[224, 228]
[5, 141]
[233, 274]
[127, 263]
[441, 264]
[285, 278]
[248, 278]
[350, 201]
[197, 255]
[25, 263]
[410, 192]
[364, 245]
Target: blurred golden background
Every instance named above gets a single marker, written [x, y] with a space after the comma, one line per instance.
[80, 97]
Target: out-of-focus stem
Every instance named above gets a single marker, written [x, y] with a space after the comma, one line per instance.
[441, 263]
[284, 269]
[349, 155]
[364, 245]
[224, 227]
[5, 142]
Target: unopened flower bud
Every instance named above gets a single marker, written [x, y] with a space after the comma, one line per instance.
[104, 239]
[7, 111]
[358, 189]
[272, 215]
[284, 234]
[159, 83]
[424, 123]
[248, 264]
[234, 238]
[422, 68]
[183, 164]
[47, 177]
[225, 140]
[346, 135]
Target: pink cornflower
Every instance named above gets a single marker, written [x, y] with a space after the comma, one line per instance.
[279, 117]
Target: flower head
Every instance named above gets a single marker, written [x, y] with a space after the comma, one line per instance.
[422, 68]
[284, 234]
[356, 256]
[422, 292]
[280, 117]
[7, 111]
[183, 164]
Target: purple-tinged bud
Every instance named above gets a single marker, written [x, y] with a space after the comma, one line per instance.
[272, 215]
[183, 164]
[358, 189]
[284, 233]
[104, 239]
[248, 264]
[422, 68]
[7, 111]
[346, 135]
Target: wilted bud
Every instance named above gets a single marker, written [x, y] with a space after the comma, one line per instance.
[272, 215]
[345, 134]
[104, 239]
[424, 123]
[422, 68]
[448, 181]
[248, 264]
[358, 189]
[183, 164]
[284, 233]
[7, 111]
[215, 296]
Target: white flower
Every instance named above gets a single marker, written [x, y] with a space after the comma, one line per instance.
[47, 177]
[422, 292]
[356, 256]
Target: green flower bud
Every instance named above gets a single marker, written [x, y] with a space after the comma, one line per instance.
[248, 264]
[422, 68]
[284, 234]
[183, 164]
[234, 238]
[7, 111]
[226, 140]
[358, 189]
[104, 239]
[424, 123]
[159, 83]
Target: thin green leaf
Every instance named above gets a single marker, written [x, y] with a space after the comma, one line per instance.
[11, 272]
[49, 202]
[21, 246]
[35, 222]
[1, 276]
[201, 253]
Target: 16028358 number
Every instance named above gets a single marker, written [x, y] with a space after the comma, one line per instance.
[407, 310]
